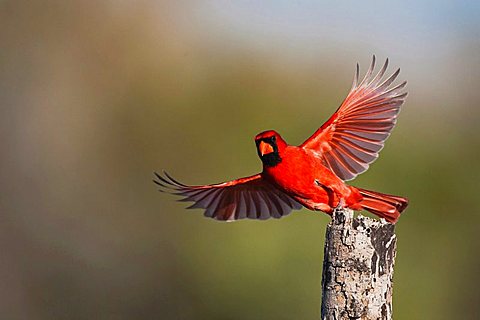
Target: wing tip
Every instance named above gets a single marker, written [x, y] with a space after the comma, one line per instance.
[356, 76]
[167, 183]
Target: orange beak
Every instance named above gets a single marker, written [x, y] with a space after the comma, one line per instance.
[265, 148]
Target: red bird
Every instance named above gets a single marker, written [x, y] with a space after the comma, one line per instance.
[313, 174]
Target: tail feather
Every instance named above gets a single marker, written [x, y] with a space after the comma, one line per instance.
[383, 205]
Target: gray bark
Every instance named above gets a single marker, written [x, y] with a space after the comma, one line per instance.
[358, 268]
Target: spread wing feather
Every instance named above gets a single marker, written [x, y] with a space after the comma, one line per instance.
[251, 197]
[352, 138]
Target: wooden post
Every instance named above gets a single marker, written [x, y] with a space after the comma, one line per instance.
[358, 268]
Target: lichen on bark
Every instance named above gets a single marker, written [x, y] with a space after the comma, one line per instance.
[358, 268]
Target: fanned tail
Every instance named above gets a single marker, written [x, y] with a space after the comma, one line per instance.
[383, 205]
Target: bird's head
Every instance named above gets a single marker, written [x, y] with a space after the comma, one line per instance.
[270, 146]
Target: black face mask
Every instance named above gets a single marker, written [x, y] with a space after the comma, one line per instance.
[270, 159]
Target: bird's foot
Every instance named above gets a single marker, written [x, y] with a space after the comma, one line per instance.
[340, 205]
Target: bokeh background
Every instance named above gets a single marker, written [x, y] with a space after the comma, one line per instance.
[95, 95]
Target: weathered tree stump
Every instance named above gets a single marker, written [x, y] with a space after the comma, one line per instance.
[358, 268]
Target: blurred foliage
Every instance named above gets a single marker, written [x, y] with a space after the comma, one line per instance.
[97, 95]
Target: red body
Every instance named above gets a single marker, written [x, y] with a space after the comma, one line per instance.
[303, 176]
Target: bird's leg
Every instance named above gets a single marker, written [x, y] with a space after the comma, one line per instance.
[332, 195]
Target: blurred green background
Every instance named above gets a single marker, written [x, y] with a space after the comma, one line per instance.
[95, 95]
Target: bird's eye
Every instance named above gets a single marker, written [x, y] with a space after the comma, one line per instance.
[274, 138]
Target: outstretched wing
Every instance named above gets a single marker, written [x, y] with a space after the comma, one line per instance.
[352, 138]
[251, 197]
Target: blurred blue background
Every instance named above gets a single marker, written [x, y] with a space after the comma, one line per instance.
[95, 95]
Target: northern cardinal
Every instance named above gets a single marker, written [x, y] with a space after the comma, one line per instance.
[313, 174]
